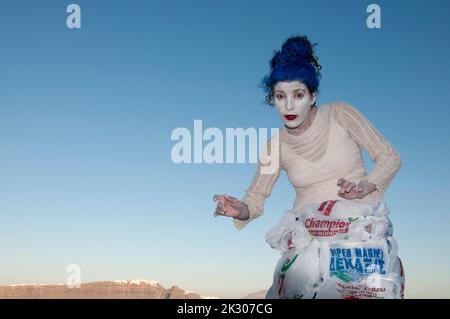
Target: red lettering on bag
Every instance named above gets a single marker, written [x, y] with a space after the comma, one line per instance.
[322, 206]
[329, 208]
[326, 228]
[280, 284]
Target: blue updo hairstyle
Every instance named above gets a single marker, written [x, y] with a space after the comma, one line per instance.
[294, 62]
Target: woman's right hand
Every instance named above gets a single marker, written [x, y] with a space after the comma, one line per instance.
[231, 207]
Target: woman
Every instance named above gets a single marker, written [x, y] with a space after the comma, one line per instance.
[319, 147]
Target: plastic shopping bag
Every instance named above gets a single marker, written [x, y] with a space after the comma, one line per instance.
[336, 251]
[297, 274]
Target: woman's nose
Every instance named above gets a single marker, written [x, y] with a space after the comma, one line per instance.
[289, 104]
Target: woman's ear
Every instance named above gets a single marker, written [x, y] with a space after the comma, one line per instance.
[314, 98]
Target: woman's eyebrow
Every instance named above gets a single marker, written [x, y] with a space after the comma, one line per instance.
[299, 89]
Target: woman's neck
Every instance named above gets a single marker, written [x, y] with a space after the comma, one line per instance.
[305, 125]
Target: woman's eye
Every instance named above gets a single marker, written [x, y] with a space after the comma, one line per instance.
[299, 96]
[279, 96]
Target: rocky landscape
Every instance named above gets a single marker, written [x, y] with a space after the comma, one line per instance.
[118, 289]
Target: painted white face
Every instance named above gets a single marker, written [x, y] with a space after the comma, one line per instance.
[293, 102]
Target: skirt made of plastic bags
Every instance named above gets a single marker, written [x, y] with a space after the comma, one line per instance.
[337, 249]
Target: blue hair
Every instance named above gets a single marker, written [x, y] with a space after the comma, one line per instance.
[294, 62]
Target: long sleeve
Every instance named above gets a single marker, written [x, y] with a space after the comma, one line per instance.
[387, 159]
[267, 172]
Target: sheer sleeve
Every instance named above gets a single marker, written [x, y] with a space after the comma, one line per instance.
[267, 172]
[387, 159]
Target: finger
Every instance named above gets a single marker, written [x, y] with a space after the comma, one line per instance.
[347, 196]
[218, 197]
[343, 195]
[350, 187]
[343, 187]
[220, 209]
[217, 213]
[228, 198]
[232, 200]
[340, 181]
[221, 205]
[360, 187]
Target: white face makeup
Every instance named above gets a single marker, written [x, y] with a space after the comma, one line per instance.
[293, 102]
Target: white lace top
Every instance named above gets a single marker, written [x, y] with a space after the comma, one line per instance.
[317, 158]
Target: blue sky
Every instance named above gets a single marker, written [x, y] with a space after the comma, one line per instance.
[86, 117]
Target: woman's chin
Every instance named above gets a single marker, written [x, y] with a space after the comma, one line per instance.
[292, 125]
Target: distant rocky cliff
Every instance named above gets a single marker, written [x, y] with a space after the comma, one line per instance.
[119, 289]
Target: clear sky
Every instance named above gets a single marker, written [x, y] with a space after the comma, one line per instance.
[86, 175]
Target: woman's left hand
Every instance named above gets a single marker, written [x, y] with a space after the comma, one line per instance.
[349, 190]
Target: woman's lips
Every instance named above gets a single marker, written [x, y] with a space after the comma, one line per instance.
[290, 117]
